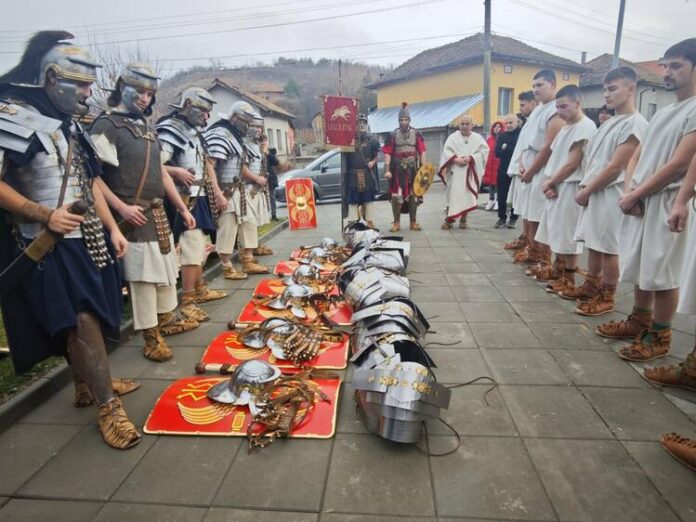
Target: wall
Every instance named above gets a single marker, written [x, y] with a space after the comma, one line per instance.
[594, 98]
[463, 81]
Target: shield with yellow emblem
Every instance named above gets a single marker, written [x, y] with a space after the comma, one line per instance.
[302, 212]
[423, 180]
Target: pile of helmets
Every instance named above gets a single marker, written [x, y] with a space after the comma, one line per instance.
[393, 380]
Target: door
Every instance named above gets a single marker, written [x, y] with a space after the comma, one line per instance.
[328, 177]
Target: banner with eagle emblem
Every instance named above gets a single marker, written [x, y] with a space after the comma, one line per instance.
[340, 121]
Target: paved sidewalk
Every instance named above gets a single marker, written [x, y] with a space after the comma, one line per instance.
[570, 434]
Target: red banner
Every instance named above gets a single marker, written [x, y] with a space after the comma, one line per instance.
[302, 210]
[340, 120]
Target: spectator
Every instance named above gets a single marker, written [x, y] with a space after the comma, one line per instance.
[272, 165]
[490, 176]
[504, 147]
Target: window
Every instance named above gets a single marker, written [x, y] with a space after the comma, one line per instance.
[334, 162]
[270, 138]
[281, 145]
[652, 109]
[507, 69]
[504, 101]
[566, 76]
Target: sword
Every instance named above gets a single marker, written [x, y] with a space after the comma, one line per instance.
[34, 253]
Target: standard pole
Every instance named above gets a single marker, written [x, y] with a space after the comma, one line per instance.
[619, 30]
[487, 68]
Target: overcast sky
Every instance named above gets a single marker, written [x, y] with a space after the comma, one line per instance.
[181, 33]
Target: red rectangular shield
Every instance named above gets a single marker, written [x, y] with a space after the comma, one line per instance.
[302, 210]
[340, 120]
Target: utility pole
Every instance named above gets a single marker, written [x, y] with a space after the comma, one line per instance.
[487, 68]
[619, 30]
[340, 79]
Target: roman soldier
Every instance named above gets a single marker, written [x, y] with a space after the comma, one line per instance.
[404, 153]
[238, 166]
[362, 179]
[67, 300]
[185, 156]
[134, 184]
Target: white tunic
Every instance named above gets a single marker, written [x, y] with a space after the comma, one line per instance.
[600, 221]
[463, 182]
[649, 254]
[560, 215]
[516, 186]
[533, 201]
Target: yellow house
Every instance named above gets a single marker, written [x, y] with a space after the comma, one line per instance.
[456, 70]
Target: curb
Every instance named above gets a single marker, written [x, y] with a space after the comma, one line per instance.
[45, 387]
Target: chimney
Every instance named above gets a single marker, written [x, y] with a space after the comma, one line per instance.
[583, 57]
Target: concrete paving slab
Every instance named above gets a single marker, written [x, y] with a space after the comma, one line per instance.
[555, 312]
[634, 414]
[25, 448]
[288, 475]
[441, 312]
[490, 478]
[568, 336]
[128, 362]
[475, 410]
[180, 470]
[348, 420]
[524, 367]
[119, 512]
[444, 335]
[85, 469]
[675, 481]
[432, 294]
[139, 404]
[468, 279]
[477, 294]
[240, 515]
[586, 368]
[458, 365]
[496, 335]
[526, 294]
[182, 365]
[553, 411]
[34, 510]
[336, 517]
[490, 313]
[59, 409]
[372, 476]
[428, 280]
[618, 489]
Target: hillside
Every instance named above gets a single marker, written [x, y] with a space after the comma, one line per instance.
[303, 82]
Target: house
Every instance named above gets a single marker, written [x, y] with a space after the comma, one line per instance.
[268, 90]
[278, 122]
[650, 94]
[449, 80]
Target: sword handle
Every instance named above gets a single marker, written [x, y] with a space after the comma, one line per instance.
[79, 207]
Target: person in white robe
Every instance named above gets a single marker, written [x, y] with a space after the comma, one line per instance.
[605, 161]
[462, 164]
[651, 255]
[562, 175]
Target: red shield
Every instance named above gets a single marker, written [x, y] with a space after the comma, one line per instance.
[302, 211]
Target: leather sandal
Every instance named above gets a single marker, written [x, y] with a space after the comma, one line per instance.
[116, 429]
[395, 227]
[642, 349]
[681, 375]
[446, 226]
[84, 397]
[415, 226]
[681, 448]
[629, 328]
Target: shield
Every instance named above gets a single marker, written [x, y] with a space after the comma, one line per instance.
[423, 180]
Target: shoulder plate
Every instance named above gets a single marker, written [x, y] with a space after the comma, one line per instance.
[175, 132]
[20, 123]
[222, 144]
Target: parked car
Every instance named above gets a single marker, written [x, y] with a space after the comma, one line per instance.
[325, 173]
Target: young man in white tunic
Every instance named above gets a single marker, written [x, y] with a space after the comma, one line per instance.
[543, 125]
[682, 375]
[527, 104]
[606, 158]
[562, 176]
[650, 255]
[462, 164]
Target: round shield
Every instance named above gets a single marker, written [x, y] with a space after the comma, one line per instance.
[423, 180]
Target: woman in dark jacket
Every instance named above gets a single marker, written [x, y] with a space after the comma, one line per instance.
[504, 147]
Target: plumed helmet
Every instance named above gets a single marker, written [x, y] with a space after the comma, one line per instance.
[328, 243]
[140, 75]
[47, 51]
[248, 379]
[404, 112]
